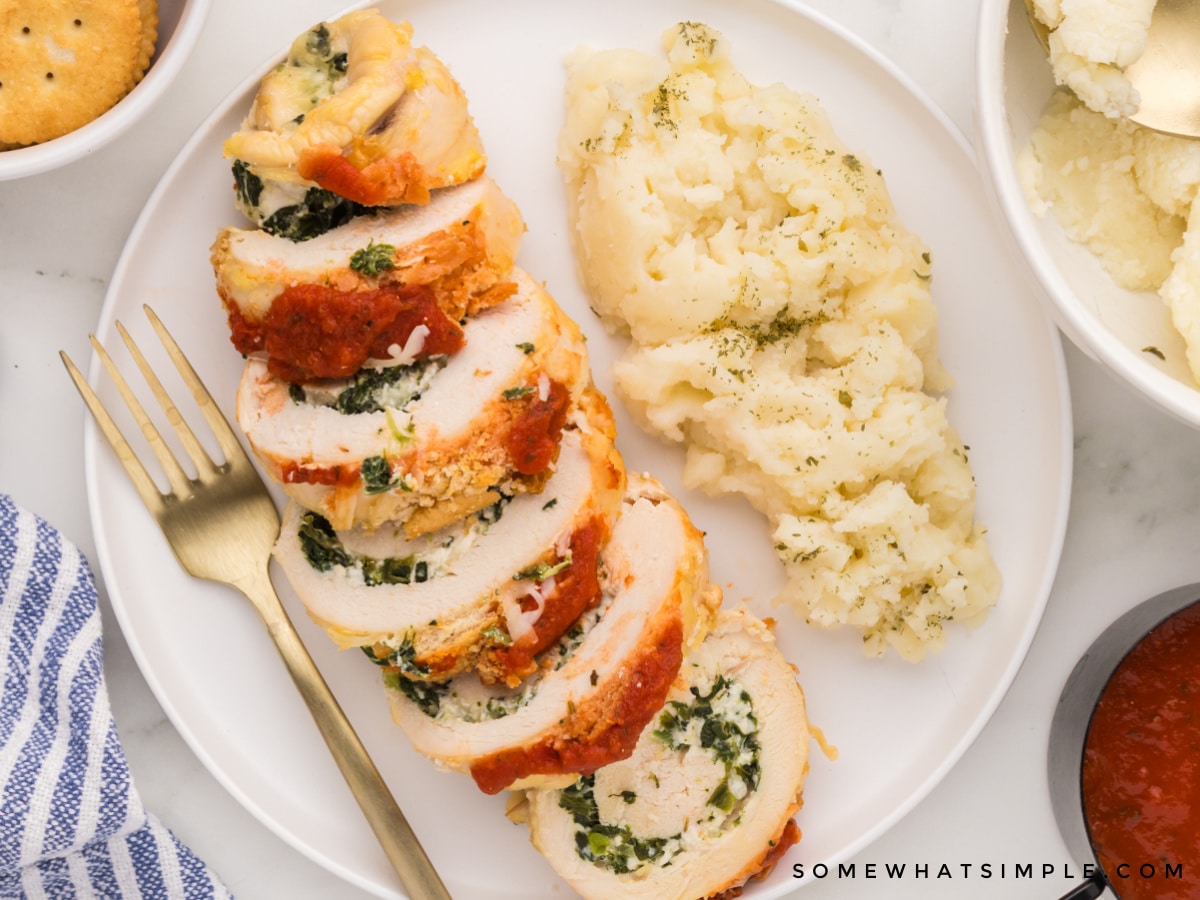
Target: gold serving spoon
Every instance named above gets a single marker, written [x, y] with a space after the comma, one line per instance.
[1167, 75]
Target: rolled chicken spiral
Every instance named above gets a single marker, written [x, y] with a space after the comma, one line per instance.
[706, 800]
[359, 115]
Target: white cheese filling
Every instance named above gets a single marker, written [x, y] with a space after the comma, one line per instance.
[392, 387]
[685, 785]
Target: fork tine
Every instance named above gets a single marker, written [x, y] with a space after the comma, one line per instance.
[187, 437]
[180, 483]
[145, 485]
[226, 439]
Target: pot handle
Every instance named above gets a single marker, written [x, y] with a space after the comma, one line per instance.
[1089, 890]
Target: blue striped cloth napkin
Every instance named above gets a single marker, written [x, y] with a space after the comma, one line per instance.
[71, 822]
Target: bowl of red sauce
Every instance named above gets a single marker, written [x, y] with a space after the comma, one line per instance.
[1124, 758]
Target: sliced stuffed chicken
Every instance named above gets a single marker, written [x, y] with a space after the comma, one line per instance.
[356, 116]
[595, 688]
[323, 308]
[492, 590]
[434, 440]
[707, 798]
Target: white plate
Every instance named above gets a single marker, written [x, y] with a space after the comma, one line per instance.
[899, 727]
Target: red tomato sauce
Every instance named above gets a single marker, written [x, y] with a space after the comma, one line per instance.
[533, 438]
[330, 476]
[632, 701]
[787, 838]
[387, 181]
[576, 589]
[1141, 766]
[315, 331]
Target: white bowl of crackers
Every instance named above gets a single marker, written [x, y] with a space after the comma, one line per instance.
[76, 73]
[1098, 206]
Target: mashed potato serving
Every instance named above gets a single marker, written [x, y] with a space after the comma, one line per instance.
[1126, 193]
[1092, 42]
[782, 329]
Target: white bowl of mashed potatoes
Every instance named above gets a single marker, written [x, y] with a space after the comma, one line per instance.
[1097, 206]
[73, 78]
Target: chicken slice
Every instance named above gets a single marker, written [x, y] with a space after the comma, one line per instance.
[325, 307]
[706, 800]
[426, 443]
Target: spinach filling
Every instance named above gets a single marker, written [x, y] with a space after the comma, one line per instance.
[324, 549]
[292, 216]
[426, 694]
[720, 722]
[372, 390]
[247, 186]
[297, 218]
[403, 658]
[569, 642]
[723, 723]
[320, 51]
[612, 847]
[317, 212]
[376, 475]
[370, 386]
[320, 543]
[436, 699]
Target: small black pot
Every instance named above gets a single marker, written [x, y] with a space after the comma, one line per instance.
[1073, 715]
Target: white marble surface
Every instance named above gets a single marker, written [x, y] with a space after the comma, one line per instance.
[1135, 513]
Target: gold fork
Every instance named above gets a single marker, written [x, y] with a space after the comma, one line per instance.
[221, 525]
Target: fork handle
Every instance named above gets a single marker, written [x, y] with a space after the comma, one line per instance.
[385, 817]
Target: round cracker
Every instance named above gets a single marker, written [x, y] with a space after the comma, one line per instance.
[148, 12]
[63, 63]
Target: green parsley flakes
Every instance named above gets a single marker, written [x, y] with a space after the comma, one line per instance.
[373, 259]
